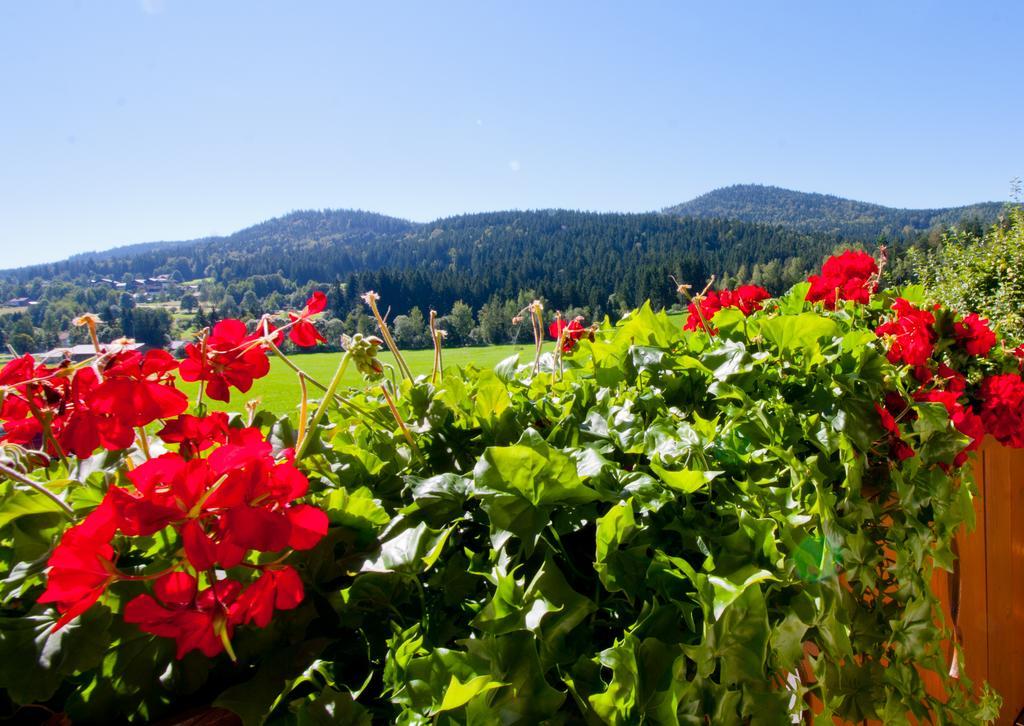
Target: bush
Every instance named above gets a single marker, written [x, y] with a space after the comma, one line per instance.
[653, 525]
[981, 273]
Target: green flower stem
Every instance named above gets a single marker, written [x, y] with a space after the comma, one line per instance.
[17, 476]
[435, 337]
[341, 400]
[401, 423]
[303, 405]
[324, 403]
[385, 332]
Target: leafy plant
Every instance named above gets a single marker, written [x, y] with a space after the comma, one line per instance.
[644, 524]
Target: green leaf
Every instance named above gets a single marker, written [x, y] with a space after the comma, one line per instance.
[798, 332]
[729, 588]
[533, 470]
[409, 549]
[36, 658]
[457, 694]
[21, 504]
[684, 480]
[253, 700]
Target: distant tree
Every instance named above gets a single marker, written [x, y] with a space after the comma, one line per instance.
[411, 330]
[228, 306]
[251, 304]
[980, 273]
[459, 323]
[188, 302]
[23, 338]
[357, 321]
[332, 329]
[152, 326]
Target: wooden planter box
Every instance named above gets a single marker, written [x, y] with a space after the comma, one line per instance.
[988, 605]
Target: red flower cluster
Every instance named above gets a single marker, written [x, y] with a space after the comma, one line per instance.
[1002, 408]
[974, 335]
[849, 276]
[205, 619]
[230, 356]
[911, 334]
[84, 409]
[235, 501]
[569, 332]
[746, 298]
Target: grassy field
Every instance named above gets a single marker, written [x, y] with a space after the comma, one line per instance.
[279, 390]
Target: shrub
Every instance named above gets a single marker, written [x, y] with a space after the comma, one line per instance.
[643, 524]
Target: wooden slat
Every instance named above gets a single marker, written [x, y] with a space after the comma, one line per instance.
[1015, 587]
[1002, 671]
[972, 620]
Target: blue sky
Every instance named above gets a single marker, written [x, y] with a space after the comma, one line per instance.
[134, 120]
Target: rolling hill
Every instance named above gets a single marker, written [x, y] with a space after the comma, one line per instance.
[825, 213]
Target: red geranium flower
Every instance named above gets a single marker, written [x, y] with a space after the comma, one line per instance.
[910, 334]
[278, 588]
[197, 620]
[194, 434]
[567, 331]
[974, 335]
[1002, 408]
[228, 357]
[303, 333]
[746, 298]
[137, 389]
[29, 386]
[236, 500]
[849, 276]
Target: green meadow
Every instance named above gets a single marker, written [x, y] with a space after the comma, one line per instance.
[278, 391]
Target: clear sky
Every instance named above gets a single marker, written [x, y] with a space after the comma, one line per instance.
[135, 120]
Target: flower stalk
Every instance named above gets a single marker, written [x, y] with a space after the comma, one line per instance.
[17, 476]
[371, 298]
[321, 409]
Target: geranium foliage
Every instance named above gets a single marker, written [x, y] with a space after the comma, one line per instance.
[646, 524]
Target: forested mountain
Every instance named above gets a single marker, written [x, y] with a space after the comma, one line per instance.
[828, 214]
[303, 232]
[478, 270]
[573, 258]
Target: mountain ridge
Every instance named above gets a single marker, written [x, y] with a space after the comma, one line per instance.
[807, 212]
[827, 213]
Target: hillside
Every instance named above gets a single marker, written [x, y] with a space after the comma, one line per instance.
[827, 214]
[570, 257]
[307, 229]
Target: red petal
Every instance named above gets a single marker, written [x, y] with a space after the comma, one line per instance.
[305, 335]
[308, 526]
[316, 303]
[175, 588]
[258, 529]
[201, 552]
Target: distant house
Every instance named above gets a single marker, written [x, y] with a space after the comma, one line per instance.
[78, 353]
[19, 302]
[177, 348]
